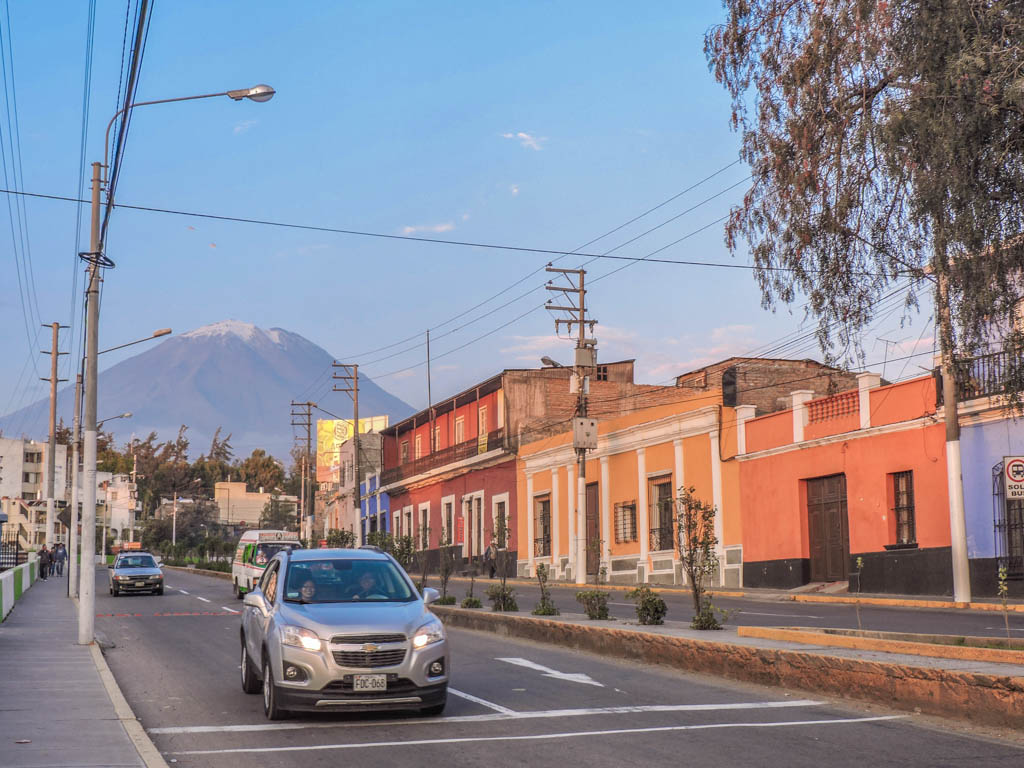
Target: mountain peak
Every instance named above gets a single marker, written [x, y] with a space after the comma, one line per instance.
[245, 331]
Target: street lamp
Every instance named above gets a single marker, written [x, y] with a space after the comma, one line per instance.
[154, 335]
[125, 415]
[98, 260]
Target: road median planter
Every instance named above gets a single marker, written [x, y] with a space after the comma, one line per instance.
[936, 646]
[199, 571]
[993, 700]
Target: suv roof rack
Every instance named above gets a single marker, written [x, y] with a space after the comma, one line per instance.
[372, 547]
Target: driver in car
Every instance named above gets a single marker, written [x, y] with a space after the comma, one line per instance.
[368, 588]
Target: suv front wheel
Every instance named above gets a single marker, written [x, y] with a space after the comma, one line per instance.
[270, 706]
[250, 683]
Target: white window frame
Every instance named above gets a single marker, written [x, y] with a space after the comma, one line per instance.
[481, 419]
[437, 438]
[407, 527]
[423, 518]
[460, 429]
[445, 523]
[495, 501]
[418, 449]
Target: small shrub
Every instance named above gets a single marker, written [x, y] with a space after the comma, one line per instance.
[650, 608]
[594, 602]
[503, 598]
[471, 602]
[546, 606]
[446, 600]
[705, 617]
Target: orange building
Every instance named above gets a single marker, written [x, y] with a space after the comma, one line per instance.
[632, 479]
[858, 474]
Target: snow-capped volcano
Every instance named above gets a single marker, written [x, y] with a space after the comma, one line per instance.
[230, 374]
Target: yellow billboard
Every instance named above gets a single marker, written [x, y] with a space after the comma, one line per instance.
[330, 434]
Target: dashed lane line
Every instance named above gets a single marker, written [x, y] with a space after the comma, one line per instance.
[183, 591]
[508, 714]
[538, 736]
[202, 598]
[229, 610]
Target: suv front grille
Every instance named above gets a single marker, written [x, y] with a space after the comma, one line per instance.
[360, 639]
[369, 659]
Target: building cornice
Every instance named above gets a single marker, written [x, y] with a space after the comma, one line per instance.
[473, 462]
[900, 426]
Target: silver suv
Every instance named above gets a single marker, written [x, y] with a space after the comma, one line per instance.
[342, 629]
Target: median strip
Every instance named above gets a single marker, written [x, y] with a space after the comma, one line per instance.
[990, 699]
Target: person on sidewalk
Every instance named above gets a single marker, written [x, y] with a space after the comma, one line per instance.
[491, 559]
[44, 563]
[59, 556]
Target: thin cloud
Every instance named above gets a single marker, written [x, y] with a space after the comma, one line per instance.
[428, 228]
[525, 139]
[243, 126]
[514, 189]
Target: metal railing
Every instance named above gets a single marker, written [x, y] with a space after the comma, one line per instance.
[450, 455]
[542, 547]
[662, 539]
[983, 375]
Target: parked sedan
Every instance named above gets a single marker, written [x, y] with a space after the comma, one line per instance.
[342, 629]
[137, 572]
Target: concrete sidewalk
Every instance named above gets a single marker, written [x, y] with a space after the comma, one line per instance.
[55, 709]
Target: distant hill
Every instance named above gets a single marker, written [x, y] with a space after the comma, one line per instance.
[229, 374]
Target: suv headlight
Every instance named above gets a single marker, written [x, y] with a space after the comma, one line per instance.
[431, 632]
[300, 637]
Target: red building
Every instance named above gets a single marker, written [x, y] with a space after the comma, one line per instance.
[450, 470]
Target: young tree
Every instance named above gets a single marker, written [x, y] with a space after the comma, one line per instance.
[695, 520]
[261, 470]
[886, 143]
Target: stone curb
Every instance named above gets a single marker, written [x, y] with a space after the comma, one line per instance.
[901, 602]
[984, 699]
[934, 650]
[583, 587]
[140, 739]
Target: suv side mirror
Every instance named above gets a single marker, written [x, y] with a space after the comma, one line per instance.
[110, 566]
[430, 595]
[255, 599]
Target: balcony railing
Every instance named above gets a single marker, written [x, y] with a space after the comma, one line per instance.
[662, 539]
[460, 452]
[983, 375]
[542, 547]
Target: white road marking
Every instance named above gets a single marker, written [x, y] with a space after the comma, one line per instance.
[1012, 629]
[202, 598]
[783, 615]
[572, 677]
[539, 736]
[183, 591]
[229, 610]
[508, 714]
[483, 702]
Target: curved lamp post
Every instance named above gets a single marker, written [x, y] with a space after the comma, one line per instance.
[97, 259]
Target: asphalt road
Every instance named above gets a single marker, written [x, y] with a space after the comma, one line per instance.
[773, 612]
[176, 659]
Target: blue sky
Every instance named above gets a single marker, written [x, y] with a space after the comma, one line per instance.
[534, 124]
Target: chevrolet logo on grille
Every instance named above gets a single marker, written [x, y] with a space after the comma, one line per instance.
[370, 647]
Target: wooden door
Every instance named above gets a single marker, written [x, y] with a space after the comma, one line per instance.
[593, 542]
[828, 528]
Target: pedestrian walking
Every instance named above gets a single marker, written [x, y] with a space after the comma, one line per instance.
[44, 563]
[491, 559]
[59, 556]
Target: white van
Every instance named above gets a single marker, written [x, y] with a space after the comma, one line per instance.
[254, 551]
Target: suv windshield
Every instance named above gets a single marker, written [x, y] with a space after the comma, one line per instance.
[136, 561]
[346, 581]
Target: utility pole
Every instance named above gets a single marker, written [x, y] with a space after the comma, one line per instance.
[87, 583]
[430, 398]
[76, 439]
[302, 416]
[350, 376]
[584, 429]
[51, 448]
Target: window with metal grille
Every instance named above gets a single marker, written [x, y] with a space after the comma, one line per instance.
[625, 522]
[1009, 526]
[404, 456]
[662, 506]
[602, 373]
[903, 506]
[542, 527]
